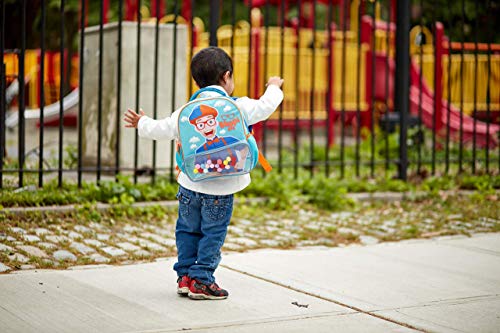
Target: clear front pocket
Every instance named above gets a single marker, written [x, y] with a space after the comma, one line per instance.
[230, 160]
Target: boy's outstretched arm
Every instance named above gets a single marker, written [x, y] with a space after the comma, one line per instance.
[260, 109]
[151, 128]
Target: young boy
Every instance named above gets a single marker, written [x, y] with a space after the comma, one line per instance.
[205, 207]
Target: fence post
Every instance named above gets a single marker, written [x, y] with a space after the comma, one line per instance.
[2, 90]
[214, 21]
[2, 106]
[367, 25]
[402, 80]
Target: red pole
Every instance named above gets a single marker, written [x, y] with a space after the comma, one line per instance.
[366, 38]
[130, 10]
[186, 10]
[341, 13]
[38, 77]
[158, 13]
[106, 10]
[86, 13]
[362, 6]
[50, 68]
[438, 74]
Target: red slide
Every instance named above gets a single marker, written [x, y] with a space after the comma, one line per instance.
[427, 107]
[482, 131]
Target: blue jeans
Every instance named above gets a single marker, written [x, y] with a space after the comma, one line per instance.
[200, 233]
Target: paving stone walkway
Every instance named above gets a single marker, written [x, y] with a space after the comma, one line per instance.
[56, 242]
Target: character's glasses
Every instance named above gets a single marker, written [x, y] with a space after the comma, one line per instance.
[201, 125]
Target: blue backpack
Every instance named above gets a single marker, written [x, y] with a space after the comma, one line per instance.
[214, 139]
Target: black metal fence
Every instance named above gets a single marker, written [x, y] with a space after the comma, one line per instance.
[372, 88]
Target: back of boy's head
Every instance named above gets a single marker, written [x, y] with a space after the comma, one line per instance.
[209, 65]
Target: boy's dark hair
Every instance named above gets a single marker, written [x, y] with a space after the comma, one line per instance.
[209, 65]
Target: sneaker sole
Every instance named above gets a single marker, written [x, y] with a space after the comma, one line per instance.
[183, 291]
[196, 296]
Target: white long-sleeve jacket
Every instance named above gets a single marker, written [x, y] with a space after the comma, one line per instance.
[252, 109]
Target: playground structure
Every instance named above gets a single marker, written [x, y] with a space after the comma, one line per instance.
[357, 68]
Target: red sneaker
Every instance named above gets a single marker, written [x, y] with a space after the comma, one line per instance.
[199, 290]
[183, 285]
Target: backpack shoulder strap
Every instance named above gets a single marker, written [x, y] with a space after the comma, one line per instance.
[195, 95]
[222, 93]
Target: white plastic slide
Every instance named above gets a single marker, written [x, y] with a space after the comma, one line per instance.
[69, 101]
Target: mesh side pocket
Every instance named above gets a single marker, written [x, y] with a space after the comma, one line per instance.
[230, 160]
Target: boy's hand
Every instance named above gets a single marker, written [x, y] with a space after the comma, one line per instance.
[275, 80]
[132, 118]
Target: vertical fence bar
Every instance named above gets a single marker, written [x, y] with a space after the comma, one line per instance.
[282, 58]
[249, 83]
[372, 109]
[191, 46]
[80, 90]
[233, 26]
[402, 81]
[488, 91]
[358, 93]
[476, 27]
[2, 90]
[42, 91]
[421, 63]
[155, 83]
[313, 86]
[297, 96]
[118, 89]
[387, 76]
[343, 85]
[214, 21]
[137, 86]
[22, 105]
[99, 90]
[266, 74]
[328, 101]
[420, 79]
[436, 88]
[448, 108]
[438, 77]
[461, 132]
[174, 80]
[61, 96]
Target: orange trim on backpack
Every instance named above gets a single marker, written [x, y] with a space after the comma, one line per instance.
[262, 160]
[178, 172]
[264, 163]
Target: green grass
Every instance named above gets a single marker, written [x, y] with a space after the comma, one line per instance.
[282, 190]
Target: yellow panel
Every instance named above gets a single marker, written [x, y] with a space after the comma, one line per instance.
[310, 94]
[467, 80]
[32, 70]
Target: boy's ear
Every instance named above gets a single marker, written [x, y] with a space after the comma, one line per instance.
[226, 76]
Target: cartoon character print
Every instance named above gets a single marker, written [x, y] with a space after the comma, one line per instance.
[204, 120]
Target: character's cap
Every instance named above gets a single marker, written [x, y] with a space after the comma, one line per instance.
[202, 111]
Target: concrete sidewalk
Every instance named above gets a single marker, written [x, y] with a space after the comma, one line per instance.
[440, 285]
